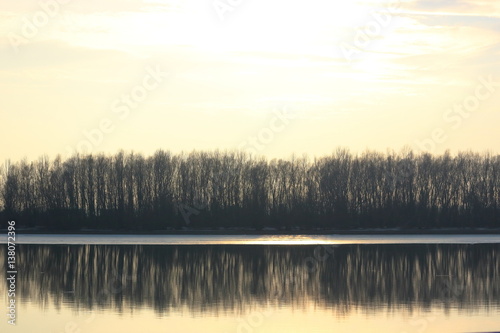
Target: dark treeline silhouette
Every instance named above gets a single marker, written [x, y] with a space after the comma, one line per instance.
[233, 189]
[238, 278]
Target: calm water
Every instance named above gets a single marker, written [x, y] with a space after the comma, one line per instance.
[256, 284]
[254, 239]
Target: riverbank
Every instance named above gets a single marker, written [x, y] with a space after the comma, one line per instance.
[267, 231]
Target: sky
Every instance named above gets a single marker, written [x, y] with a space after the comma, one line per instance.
[272, 78]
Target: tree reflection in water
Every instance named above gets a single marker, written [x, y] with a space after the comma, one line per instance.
[238, 278]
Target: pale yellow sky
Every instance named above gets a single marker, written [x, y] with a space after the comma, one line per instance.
[271, 77]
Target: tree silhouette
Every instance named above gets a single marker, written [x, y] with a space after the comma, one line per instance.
[130, 191]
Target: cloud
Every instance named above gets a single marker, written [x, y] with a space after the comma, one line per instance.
[486, 7]
[88, 6]
[44, 54]
[457, 20]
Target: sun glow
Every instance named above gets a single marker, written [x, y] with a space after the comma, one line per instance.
[279, 26]
[303, 28]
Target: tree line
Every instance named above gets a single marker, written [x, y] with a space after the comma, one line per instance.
[234, 189]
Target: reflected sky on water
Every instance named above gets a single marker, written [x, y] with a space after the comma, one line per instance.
[254, 239]
[257, 288]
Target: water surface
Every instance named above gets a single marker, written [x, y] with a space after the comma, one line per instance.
[257, 287]
[254, 239]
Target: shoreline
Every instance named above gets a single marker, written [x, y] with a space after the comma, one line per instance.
[266, 232]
